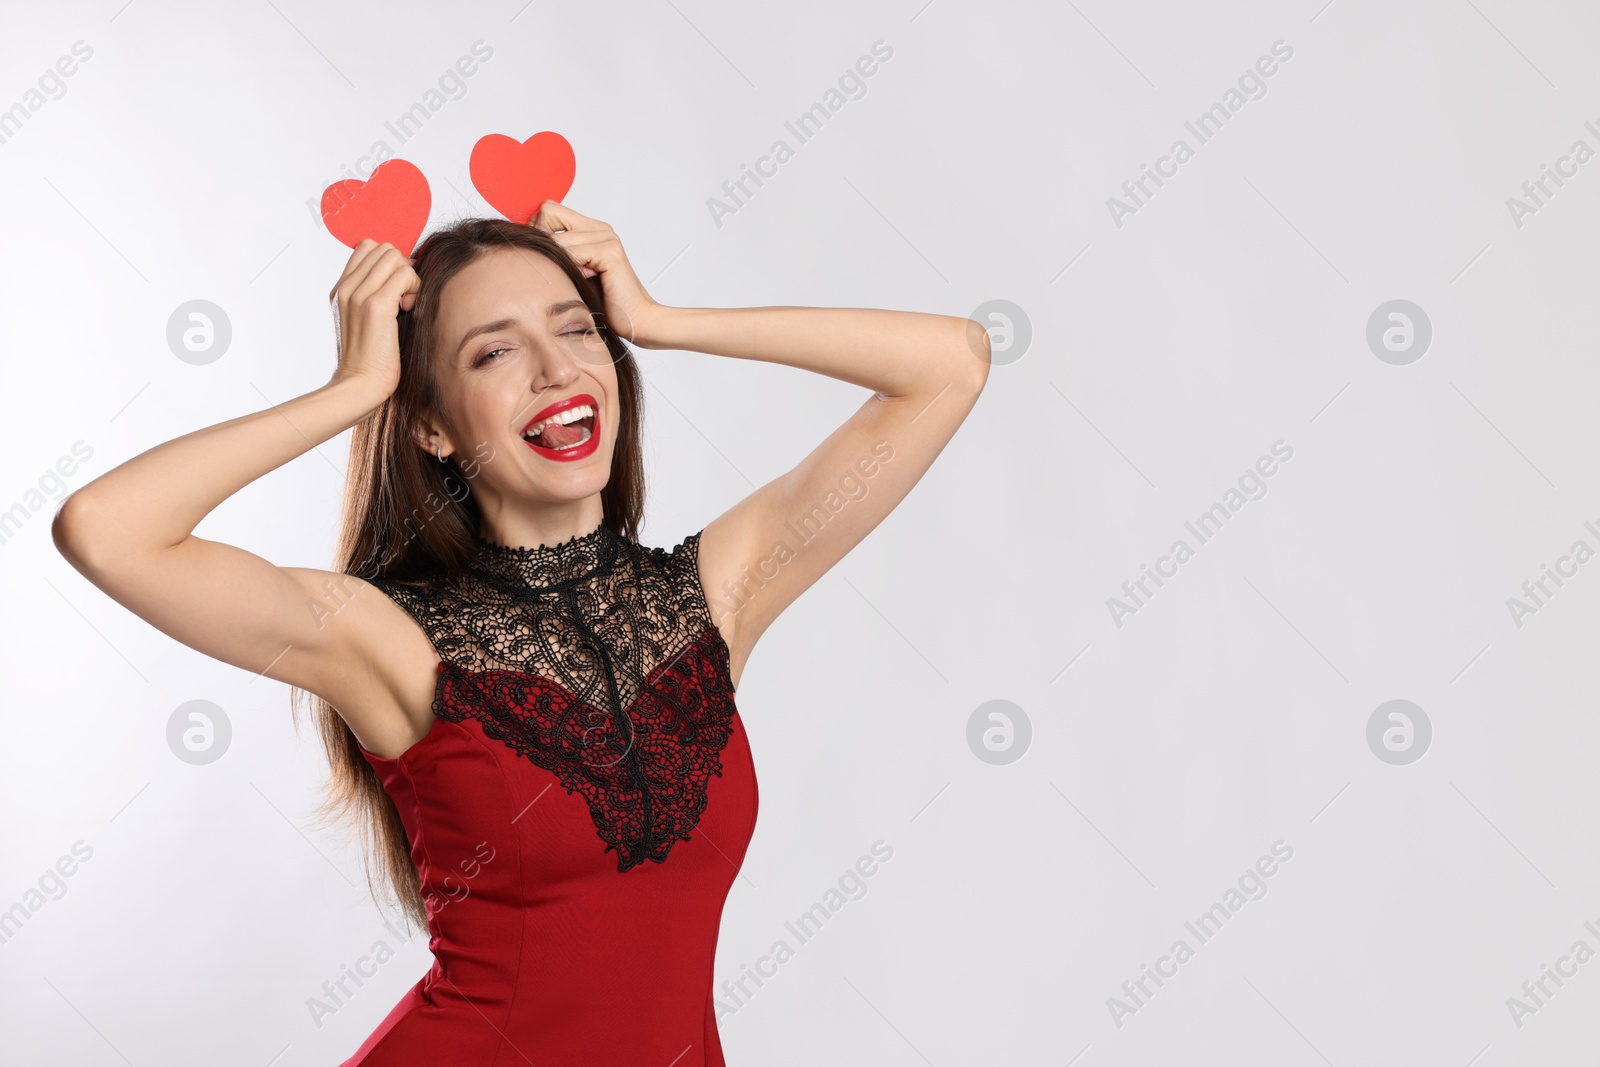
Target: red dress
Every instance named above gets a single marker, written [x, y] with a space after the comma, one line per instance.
[574, 857]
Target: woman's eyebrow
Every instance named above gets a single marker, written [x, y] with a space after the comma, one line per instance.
[503, 324]
[488, 327]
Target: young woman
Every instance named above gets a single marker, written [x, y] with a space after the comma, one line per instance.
[533, 713]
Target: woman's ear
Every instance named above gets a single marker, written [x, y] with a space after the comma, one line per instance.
[432, 440]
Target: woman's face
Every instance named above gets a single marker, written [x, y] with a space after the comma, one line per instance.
[514, 347]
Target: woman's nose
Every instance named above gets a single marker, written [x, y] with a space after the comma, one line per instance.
[554, 372]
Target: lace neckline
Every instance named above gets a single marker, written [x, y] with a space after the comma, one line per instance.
[544, 566]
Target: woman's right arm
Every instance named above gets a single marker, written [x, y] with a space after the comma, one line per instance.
[130, 531]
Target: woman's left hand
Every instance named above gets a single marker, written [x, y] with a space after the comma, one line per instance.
[597, 250]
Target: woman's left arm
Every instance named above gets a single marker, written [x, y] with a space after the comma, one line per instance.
[926, 372]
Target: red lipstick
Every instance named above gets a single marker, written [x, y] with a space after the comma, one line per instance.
[571, 452]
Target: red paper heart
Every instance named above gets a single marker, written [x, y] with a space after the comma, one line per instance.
[517, 177]
[390, 206]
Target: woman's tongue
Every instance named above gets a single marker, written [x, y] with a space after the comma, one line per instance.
[559, 436]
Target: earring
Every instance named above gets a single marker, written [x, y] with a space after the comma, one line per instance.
[439, 452]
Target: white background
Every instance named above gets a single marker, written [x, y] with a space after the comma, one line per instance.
[1168, 354]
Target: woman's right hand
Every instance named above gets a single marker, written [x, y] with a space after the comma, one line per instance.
[377, 284]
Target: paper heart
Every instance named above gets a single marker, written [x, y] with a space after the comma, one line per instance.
[390, 206]
[515, 177]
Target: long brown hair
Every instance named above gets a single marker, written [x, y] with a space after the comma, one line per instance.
[408, 516]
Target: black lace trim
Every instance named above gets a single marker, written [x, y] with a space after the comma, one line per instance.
[548, 566]
[598, 660]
